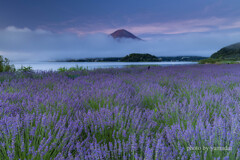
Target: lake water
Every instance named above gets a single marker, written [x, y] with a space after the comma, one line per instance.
[90, 65]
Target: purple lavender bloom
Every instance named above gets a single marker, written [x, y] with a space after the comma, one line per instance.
[165, 113]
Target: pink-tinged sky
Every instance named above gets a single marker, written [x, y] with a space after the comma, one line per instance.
[80, 28]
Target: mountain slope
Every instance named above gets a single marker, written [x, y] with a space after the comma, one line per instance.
[228, 52]
[122, 33]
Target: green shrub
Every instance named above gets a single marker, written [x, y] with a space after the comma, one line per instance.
[209, 61]
[218, 61]
[5, 66]
[25, 69]
[72, 69]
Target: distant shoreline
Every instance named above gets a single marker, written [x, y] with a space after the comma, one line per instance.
[92, 65]
[118, 59]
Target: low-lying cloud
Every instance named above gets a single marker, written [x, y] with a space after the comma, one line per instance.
[38, 45]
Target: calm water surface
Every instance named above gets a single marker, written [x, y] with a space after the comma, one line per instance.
[90, 65]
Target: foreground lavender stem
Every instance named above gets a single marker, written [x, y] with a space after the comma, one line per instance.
[186, 112]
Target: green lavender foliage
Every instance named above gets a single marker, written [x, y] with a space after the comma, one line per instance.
[182, 112]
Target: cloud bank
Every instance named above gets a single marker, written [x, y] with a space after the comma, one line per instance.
[23, 44]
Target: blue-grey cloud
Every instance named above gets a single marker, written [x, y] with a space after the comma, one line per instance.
[25, 44]
[94, 15]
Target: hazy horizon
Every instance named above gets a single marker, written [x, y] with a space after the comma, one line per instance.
[42, 31]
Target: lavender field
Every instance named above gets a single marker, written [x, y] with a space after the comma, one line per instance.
[167, 113]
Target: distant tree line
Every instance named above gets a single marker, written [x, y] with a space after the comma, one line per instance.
[137, 57]
[182, 58]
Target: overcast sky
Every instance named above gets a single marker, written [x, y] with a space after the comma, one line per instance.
[58, 29]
